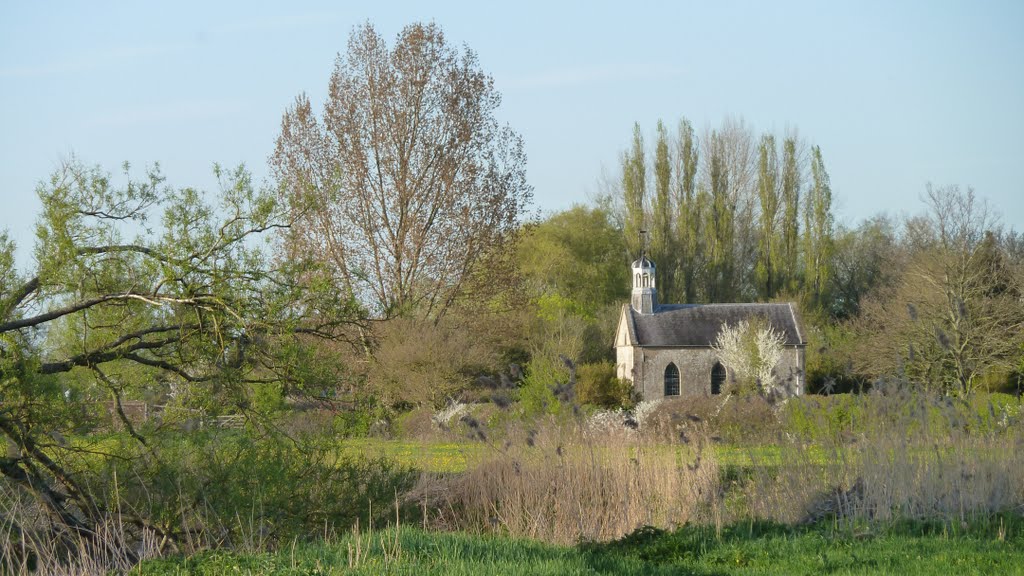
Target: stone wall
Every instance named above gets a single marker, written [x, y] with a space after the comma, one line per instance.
[695, 364]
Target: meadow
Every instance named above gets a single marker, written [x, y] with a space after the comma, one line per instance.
[891, 483]
[887, 482]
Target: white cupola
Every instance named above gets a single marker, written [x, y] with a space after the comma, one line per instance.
[645, 298]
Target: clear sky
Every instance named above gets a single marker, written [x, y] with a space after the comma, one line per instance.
[897, 94]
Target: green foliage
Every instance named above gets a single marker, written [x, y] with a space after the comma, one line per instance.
[791, 184]
[266, 398]
[769, 195]
[191, 313]
[689, 216]
[577, 255]
[239, 485]
[827, 358]
[634, 192]
[768, 548]
[360, 420]
[720, 232]
[597, 385]
[818, 235]
[537, 394]
[662, 245]
[846, 416]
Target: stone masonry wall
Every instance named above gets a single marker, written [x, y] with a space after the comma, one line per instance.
[695, 366]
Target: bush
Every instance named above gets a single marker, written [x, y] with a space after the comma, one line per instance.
[597, 385]
[748, 419]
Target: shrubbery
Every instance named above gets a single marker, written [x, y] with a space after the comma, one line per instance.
[597, 385]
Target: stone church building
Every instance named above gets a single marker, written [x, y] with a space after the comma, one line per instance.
[665, 349]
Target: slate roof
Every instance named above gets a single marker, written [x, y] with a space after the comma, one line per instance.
[697, 325]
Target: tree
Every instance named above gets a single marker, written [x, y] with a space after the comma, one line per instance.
[768, 193]
[578, 254]
[407, 179]
[818, 235]
[788, 266]
[955, 315]
[663, 248]
[199, 305]
[864, 261]
[752, 350]
[721, 226]
[689, 220]
[634, 191]
[574, 267]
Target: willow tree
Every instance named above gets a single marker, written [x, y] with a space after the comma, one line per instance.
[198, 305]
[407, 179]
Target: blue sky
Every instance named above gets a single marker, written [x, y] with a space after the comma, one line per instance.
[897, 94]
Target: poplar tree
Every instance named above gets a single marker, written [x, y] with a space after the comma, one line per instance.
[634, 191]
[721, 224]
[788, 264]
[662, 242]
[768, 193]
[818, 238]
[689, 222]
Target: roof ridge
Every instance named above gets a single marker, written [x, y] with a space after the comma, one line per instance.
[796, 324]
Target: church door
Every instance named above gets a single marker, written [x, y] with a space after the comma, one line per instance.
[717, 378]
[671, 380]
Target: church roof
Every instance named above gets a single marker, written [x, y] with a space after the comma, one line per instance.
[698, 325]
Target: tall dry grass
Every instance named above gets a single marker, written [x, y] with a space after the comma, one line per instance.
[564, 484]
[871, 459]
[31, 544]
[911, 456]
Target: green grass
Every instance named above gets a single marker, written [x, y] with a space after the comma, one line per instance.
[425, 456]
[456, 456]
[744, 549]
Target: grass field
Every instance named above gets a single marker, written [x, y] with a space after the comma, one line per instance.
[746, 549]
[423, 456]
[456, 456]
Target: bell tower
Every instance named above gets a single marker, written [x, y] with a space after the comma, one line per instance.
[645, 298]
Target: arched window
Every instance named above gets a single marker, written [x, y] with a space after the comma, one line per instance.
[671, 380]
[637, 284]
[717, 378]
[647, 280]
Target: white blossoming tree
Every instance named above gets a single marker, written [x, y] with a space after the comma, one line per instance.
[751, 350]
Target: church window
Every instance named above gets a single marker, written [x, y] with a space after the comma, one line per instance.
[671, 380]
[647, 281]
[717, 378]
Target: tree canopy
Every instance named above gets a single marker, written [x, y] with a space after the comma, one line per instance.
[407, 179]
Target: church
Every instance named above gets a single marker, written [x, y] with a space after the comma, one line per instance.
[665, 349]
